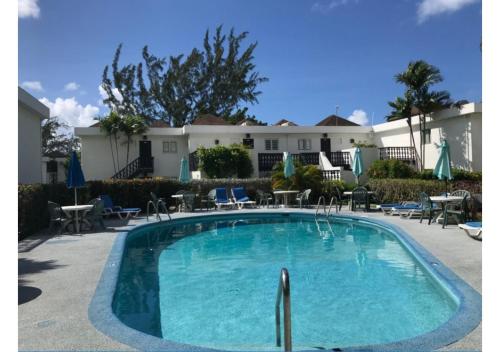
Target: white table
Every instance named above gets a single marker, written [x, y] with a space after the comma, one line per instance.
[76, 208]
[285, 195]
[443, 200]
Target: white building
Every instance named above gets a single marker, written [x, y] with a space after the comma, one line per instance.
[164, 146]
[30, 115]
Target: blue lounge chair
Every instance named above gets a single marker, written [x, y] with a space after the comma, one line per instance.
[473, 228]
[123, 213]
[221, 198]
[241, 198]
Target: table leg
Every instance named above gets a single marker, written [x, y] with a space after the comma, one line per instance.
[77, 225]
[285, 200]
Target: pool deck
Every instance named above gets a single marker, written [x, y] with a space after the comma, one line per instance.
[58, 275]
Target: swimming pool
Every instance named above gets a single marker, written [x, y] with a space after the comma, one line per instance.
[211, 282]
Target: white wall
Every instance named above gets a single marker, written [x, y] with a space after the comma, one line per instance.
[29, 157]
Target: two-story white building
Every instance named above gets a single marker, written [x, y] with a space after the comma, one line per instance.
[160, 150]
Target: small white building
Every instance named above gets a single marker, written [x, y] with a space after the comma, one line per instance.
[30, 115]
[161, 148]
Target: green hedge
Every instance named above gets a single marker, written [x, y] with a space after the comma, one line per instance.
[398, 190]
[32, 199]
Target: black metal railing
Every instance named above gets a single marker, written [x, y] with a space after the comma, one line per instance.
[406, 154]
[135, 167]
[331, 175]
[309, 158]
[340, 159]
[267, 160]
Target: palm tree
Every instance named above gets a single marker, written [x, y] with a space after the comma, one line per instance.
[111, 126]
[132, 125]
[402, 109]
[418, 78]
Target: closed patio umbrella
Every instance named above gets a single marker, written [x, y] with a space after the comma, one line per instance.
[75, 174]
[443, 165]
[357, 167]
[289, 167]
[184, 176]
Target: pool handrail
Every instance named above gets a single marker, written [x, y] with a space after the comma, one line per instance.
[284, 293]
[319, 203]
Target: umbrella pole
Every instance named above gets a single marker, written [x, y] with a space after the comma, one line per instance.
[76, 203]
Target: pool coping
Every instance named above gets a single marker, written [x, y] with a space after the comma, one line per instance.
[467, 317]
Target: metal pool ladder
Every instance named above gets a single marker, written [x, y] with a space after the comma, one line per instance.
[284, 293]
[322, 200]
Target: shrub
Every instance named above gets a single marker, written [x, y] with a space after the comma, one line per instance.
[458, 175]
[305, 176]
[221, 161]
[398, 190]
[32, 199]
[328, 186]
[390, 169]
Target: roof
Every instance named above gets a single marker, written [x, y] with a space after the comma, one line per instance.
[32, 103]
[152, 124]
[285, 122]
[55, 154]
[209, 119]
[334, 120]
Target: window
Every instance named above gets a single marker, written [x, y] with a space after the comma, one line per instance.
[272, 144]
[169, 147]
[248, 142]
[304, 144]
[426, 136]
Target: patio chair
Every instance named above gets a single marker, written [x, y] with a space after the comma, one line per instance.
[158, 204]
[111, 209]
[303, 198]
[57, 217]
[209, 200]
[360, 198]
[188, 201]
[459, 211]
[241, 198]
[263, 198]
[95, 215]
[428, 207]
[473, 229]
[221, 199]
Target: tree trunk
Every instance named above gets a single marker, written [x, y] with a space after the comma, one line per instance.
[412, 143]
[422, 163]
[128, 148]
[117, 155]
[112, 154]
[423, 144]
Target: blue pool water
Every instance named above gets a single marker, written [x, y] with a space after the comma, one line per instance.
[213, 283]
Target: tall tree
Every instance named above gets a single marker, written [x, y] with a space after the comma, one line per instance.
[418, 79]
[110, 125]
[55, 140]
[216, 80]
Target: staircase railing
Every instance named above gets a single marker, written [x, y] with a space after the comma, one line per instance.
[133, 168]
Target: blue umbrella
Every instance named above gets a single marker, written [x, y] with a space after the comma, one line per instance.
[184, 176]
[443, 165]
[75, 175]
[357, 168]
[289, 168]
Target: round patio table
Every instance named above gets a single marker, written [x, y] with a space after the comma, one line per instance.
[285, 195]
[76, 208]
[443, 200]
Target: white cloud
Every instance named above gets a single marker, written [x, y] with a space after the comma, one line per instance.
[33, 85]
[428, 8]
[325, 7]
[359, 116]
[104, 95]
[28, 8]
[71, 112]
[71, 86]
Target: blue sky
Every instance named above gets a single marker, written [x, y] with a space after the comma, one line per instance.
[317, 54]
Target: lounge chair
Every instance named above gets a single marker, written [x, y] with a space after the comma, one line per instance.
[303, 198]
[221, 199]
[241, 198]
[111, 209]
[473, 228]
[406, 209]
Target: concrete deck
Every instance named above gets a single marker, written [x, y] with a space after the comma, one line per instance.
[58, 275]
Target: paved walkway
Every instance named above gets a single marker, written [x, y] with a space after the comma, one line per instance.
[58, 276]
